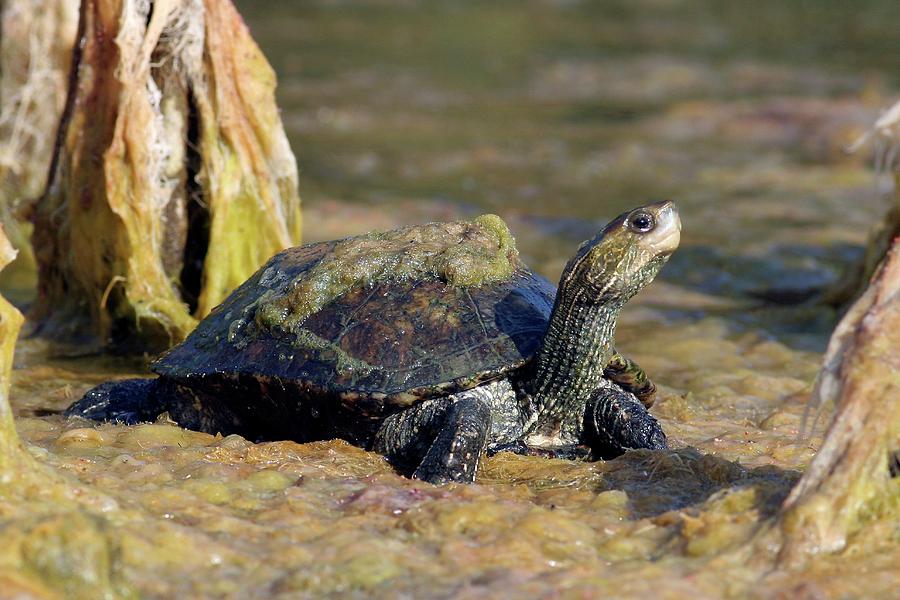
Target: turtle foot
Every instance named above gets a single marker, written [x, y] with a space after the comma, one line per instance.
[617, 421]
[128, 401]
[444, 437]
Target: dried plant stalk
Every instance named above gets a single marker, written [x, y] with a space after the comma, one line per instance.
[53, 545]
[248, 165]
[10, 322]
[849, 482]
[36, 39]
[885, 136]
[173, 179]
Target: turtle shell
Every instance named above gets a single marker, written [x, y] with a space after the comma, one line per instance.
[391, 341]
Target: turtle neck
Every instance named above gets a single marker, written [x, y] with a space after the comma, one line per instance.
[573, 354]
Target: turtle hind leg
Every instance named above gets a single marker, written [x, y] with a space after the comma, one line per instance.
[128, 401]
[456, 451]
[444, 438]
[616, 421]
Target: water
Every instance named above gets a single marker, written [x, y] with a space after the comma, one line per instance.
[557, 115]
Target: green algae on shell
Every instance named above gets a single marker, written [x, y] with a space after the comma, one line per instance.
[463, 254]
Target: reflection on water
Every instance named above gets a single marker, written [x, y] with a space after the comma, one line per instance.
[556, 114]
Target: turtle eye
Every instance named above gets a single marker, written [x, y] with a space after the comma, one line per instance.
[641, 222]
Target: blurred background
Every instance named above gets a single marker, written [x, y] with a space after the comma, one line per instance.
[559, 114]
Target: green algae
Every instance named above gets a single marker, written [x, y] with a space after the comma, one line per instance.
[462, 254]
[343, 362]
[75, 553]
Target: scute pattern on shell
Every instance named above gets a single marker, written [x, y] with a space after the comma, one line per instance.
[390, 342]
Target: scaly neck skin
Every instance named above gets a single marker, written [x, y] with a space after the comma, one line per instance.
[576, 348]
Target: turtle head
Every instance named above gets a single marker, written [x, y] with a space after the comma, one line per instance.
[625, 256]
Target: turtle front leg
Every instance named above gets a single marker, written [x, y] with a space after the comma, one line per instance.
[616, 421]
[631, 377]
[444, 437]
[128, 401]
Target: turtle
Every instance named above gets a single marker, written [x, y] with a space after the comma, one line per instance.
[432, 344]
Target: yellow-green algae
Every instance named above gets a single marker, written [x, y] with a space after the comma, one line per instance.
[201, 515]
[462, 254]
[52, 547]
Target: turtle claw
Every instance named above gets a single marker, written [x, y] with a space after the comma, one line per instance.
[568, 452]
[516, 447]
[617, 421]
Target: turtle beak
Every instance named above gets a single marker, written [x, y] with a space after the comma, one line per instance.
[664, 239]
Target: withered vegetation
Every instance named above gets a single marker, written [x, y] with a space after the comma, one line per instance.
[172, 179]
